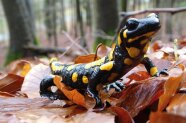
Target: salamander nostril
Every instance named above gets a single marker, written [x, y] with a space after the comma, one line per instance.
[132, 24]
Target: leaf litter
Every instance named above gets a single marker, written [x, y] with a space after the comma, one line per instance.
[141, 92]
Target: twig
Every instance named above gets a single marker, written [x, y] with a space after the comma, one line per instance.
[79, 46]
[126, 15]
[68, 48]
[155, 10]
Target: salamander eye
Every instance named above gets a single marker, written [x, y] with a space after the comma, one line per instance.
[132, 24]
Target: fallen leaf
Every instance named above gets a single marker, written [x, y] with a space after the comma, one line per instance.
[140, 75]
[20, 67]
[170, 87]
[102, 50]
[122, 115]
[14, 104]
[10, 83]
[86, 59]
[162, 117]
[72, 95]
[177, 105]
[33, 79]
[141, 94]
[6, 94]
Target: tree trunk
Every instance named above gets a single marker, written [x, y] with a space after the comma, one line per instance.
[80, 24]
[63, 24]
[124, 5]
[19, 16]
[50, 21]
[105, 20]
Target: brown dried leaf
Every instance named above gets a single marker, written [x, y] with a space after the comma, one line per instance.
[72, 95]
[20, 67]
[123, 116]
[6, 94]
[161, 117]
[138, 76]
[13, 104]
[139, 95]
[86, 59]
[102, 50]
[170, 87]
[177, 105]
[10, 83]
[33, 79]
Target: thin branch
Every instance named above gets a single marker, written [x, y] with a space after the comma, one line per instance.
[126, 15]
[155, 10]
[79, 46]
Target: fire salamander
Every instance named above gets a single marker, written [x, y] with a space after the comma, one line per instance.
[132, 44]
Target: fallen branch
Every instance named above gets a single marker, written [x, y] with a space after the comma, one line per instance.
[126, 15]
[37, 50]
[155, 10]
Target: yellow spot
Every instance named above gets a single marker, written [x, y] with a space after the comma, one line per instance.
[85, 79]
[133, 52]
[95, 63]
[112, 76]
[74, 77]
[56, 66]
[119, 40]
[146, 48]
[111, 54]
[53, 59]
[144, 41]
[149, 34]
[108, 66]
[151, 14]
[153, 71]
[128, 61]
[71, 67]
[125, 33]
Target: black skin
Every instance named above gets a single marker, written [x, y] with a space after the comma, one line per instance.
[95, 75]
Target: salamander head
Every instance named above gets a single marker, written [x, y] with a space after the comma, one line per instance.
[137, 30]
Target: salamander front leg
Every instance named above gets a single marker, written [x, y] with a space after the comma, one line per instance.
[152, 69]
[118, 86]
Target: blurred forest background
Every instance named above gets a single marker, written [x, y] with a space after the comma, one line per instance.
[40, 27]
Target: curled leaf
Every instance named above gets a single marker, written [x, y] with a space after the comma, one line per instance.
[170, 87]
[72, 95]
[122, 115]
[177, 105]
[139, 95]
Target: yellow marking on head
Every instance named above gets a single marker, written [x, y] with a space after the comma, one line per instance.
[85, 79]
[74, 77]
[108, 66]
[144, 41]
[151, 14]
[119, 40]
[95, 63]
[149, 34]
[133, 51]
[110, 56]
[128, 61]
[146, 48]
[153, 71]
[112, 76]
[125, 33]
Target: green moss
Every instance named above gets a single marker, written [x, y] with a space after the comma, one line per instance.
[13, 56]
[36, 41]
[99, 40]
